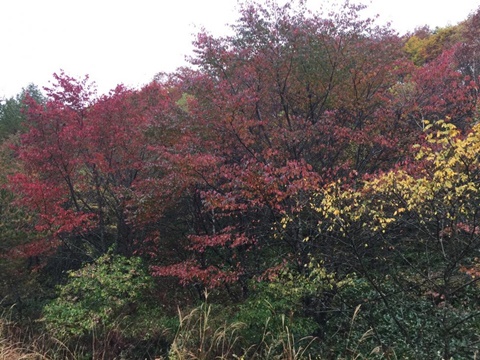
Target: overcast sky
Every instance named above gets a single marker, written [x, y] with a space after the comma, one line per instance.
[126, 41]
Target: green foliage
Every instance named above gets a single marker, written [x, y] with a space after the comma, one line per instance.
[278, 304]
[11, 111]
[392, 321]
[11, 117]
[109, 309]
[103, 294]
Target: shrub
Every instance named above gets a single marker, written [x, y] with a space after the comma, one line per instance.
[106, 304]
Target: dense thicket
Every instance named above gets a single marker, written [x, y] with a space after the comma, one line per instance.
[317, 176]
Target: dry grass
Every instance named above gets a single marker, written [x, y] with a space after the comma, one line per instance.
[283, 345]
[198, 338]
[18, 344]
[11, 350]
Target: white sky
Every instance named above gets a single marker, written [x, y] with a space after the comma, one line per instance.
[129, 41]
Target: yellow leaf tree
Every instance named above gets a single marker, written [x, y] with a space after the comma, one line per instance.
[415, 231]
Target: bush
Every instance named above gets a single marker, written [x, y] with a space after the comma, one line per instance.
[106, 304]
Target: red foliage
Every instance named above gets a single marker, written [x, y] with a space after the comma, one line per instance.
[86, 162]
[286, 105]
[443, 92]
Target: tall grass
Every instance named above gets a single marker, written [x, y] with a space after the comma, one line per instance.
[281, 345]
[19, 342]
[198, 337]
[201, 337]
[11, 346]
[201, 334]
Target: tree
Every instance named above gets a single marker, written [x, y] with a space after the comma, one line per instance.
[287, 104]
[467, 53]
[11, 111]
[86, 161]
[412, 234]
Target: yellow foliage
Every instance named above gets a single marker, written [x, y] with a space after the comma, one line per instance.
[422, 50]
[415, 47]
[444, 184]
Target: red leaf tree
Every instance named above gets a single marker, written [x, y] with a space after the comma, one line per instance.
[287, 104]
[87, 162]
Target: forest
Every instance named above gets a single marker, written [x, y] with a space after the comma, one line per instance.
[307, 188]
